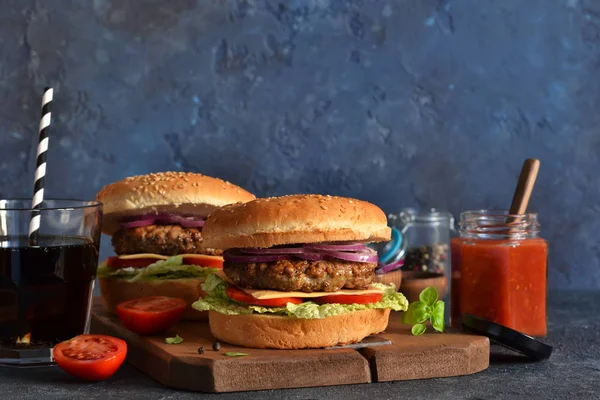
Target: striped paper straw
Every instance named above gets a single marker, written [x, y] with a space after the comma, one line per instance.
[40, 170]
[3, 218]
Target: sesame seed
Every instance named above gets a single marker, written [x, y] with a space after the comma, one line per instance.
[324, 208]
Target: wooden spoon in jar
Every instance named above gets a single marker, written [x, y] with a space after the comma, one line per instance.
[529, 173]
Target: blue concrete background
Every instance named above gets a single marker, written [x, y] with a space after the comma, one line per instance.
[403, 103]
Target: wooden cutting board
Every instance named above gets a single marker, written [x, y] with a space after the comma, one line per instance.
[408, 357]
[430, 355]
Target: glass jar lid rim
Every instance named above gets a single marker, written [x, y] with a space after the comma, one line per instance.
[62, 204]
[425, 215]
[495, 213]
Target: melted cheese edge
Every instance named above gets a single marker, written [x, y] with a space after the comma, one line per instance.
[262, 294]
[274, 294]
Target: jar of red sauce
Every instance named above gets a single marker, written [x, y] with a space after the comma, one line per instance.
[499, 270]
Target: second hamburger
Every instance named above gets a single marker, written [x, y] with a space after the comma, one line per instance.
[156, 221]
[297, 273]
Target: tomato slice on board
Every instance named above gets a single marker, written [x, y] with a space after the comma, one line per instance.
[243, 297]
[150, 315]
[350, 298]
[204, 261]
[90, 357]
[116, 262]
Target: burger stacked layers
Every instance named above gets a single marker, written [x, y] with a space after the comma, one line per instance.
[297, 273]
[156, 225]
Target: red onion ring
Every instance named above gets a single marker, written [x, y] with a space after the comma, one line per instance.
[385, 268]
[335, 247]
[362, 254]
[162, 219]
[236, 256]
[137, 223]
[273, 250]
[189, 223]
[362, 257]
[172, 219]
[309, 256]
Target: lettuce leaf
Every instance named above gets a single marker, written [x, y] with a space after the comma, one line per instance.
[171, 268]
[217, 300]
[122, 273]
[187, 272]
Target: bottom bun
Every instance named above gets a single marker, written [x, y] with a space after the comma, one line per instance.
[264, 331]
[115, 291]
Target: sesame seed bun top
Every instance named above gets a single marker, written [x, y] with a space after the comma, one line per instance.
[183, 193]
[307, 218]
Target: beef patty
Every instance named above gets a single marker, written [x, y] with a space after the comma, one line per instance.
[301, 275]
[167, 240]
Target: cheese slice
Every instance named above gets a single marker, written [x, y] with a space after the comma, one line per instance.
[262, 294]
[160, 257]
[142, 255]
[274, 294]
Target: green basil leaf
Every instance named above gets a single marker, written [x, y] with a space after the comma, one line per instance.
[415, 314]
[234, 354]
[437, 317]
[418, 329]
[429, 296]
[174, 340]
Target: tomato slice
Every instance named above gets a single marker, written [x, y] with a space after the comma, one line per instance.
[200, 260]
[150, 315]
[350, 298]
[91, 357]
[204, 261]
[116, 262]
[243, 297]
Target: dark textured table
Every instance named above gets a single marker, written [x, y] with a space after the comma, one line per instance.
[572, 372]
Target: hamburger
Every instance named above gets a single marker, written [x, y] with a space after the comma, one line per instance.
[297, 273]
[156, 224]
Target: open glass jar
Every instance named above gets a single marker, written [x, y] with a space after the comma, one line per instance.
[427, 259]
[427, 234]
[499, 270]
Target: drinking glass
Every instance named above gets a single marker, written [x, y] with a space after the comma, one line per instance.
[46, 286]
